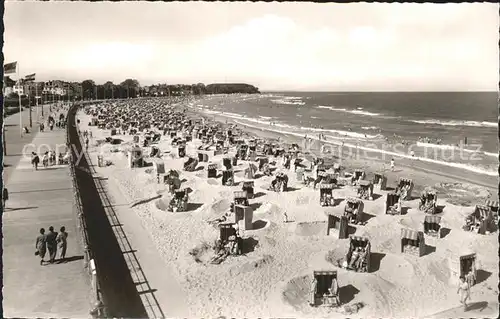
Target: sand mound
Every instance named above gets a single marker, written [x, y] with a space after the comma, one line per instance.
[201, 253]
[311, 228]
[219, 207]
[212, 182]
[400, 266]
[296, 291]
[253, 264]
[462, 194]
[412, 222]
[440, 270]
[306, 200]
[161, 204]
[333, 256]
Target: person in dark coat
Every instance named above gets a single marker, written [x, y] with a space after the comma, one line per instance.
[52, 244]
[35, 160]
[41, 245]
[5, 197]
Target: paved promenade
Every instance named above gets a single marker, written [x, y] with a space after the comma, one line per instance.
[38, 199]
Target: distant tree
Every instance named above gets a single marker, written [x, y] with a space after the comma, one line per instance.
[230, 88]
[130, 87]
[109, 90]
[88, 88]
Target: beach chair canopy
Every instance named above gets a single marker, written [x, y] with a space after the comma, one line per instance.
[432, 219]
[240, 194]
[248, 184]
[482, 212]
[351, 200]
[227, 230]
[365, 183]
[359, 241]
[492, 204]
[180, 194]
[405, 181]
[326, 186]
[411, 234]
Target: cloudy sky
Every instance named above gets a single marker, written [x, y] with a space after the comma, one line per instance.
[275, 46]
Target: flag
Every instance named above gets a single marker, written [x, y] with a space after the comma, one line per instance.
[30, 77]
[10, 68]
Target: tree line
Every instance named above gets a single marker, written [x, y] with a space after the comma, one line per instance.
[130, 88]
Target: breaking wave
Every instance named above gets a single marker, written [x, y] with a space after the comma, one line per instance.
[289, 100]
[453, 147]
[457, 123]
[357, 111]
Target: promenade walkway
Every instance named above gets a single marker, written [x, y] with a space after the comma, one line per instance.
[38, 199]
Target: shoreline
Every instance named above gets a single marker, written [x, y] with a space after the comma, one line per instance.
[465, 157]
[420, 170]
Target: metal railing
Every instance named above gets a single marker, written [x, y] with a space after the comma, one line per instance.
[98, 309]
[115, 291]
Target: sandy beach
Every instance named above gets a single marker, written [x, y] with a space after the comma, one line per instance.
[273, 278]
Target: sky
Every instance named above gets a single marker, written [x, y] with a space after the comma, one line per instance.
[274, 46]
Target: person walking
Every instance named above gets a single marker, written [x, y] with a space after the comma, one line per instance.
[41, 245]
[63, 243]
[35, 160]
[52, 244]
[392, 165]
[45, 159]
[463, 291]
[5, 197]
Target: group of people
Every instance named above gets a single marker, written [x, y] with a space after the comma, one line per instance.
[49, 158]
[357, 260]
[473, 224]
[51, 241]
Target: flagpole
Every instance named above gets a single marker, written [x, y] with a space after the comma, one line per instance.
[29, 104]
[3, 130]
[43, 100]
[36, 101]
[20, 106]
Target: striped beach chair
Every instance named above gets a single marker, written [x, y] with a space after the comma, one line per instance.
[412, 242]
[363, 243]
[432, 226]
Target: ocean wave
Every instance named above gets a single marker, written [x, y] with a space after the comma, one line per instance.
[288, 101]
[472, 168]
[491, 154]
[457, 123]
[249, 119]
[264, 120]
[357, 112]
[454, 147]
[369, 128]
[341, 133]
